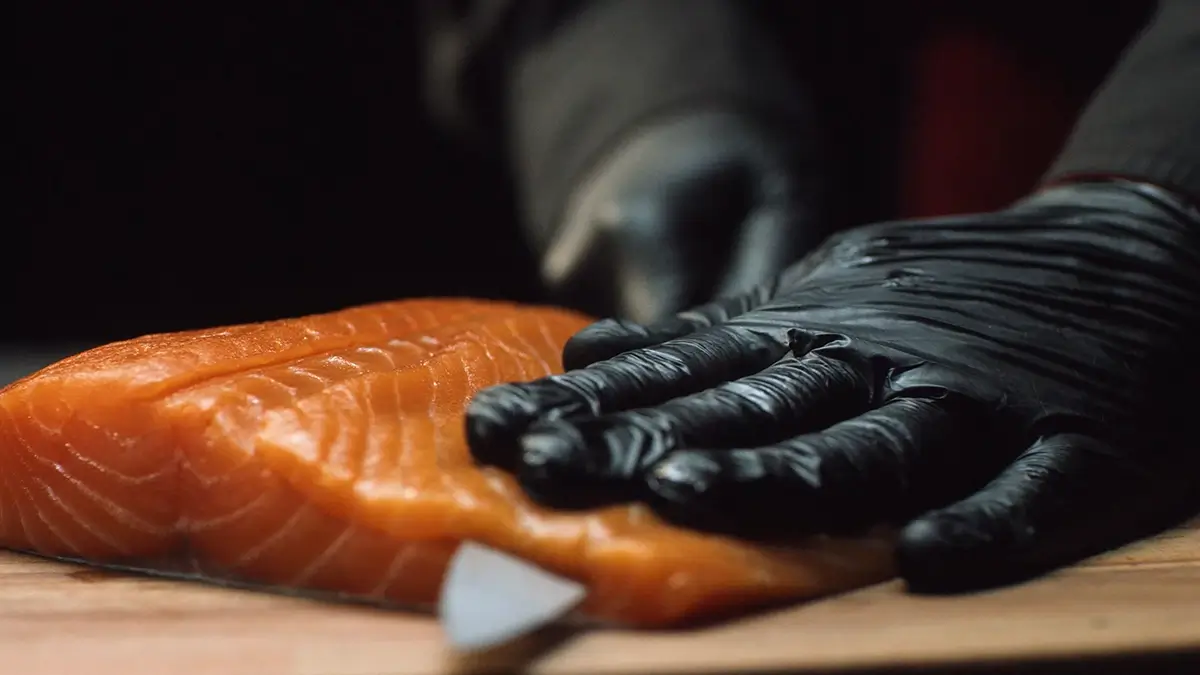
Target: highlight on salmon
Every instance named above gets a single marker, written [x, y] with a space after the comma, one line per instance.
[327, 453]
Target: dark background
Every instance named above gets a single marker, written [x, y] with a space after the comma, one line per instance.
[181, 165]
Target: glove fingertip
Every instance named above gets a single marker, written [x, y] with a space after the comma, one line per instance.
[921, 558]
[493, 422]
[565, 467]
[706, 491]
[497, 416]
[951, 552]
[552, 465]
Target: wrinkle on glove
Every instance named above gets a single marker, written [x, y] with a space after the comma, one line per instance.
[1011, 386]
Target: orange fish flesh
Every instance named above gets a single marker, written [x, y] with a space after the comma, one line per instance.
[328, 453]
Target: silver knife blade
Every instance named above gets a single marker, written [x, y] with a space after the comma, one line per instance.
[490, 598]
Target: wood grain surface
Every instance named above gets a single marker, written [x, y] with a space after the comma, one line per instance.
[57, 618]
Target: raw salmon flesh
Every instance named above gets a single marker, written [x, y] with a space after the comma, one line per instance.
[328, 453]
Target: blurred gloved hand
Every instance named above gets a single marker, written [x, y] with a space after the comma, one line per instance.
[1012, 386]
[698, 206]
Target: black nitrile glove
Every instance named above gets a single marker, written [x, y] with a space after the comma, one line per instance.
[698, 206]
[1011, 385]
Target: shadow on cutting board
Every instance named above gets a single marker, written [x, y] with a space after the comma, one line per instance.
[1161, 664]
[523, 655]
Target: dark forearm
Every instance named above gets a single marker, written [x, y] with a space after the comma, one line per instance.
[464, 49]
[612, 66]
[1144, 123]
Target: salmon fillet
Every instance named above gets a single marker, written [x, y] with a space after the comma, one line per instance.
[328, 453]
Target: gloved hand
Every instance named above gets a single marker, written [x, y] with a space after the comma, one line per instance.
[1012, 386]
[694, 207]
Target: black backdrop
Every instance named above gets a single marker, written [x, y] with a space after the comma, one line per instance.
[185, 164]
[187, 167]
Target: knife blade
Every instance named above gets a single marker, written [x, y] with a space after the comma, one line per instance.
[490, 598]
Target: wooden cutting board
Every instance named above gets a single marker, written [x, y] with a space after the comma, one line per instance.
[56, 618]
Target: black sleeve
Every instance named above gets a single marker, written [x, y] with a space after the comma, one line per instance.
[1144, 122]
[464, 49]
[575, 76]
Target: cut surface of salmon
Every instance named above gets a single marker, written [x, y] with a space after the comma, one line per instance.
[328, 453]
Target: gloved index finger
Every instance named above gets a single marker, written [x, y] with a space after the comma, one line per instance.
[607, 338]
[498, 416]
